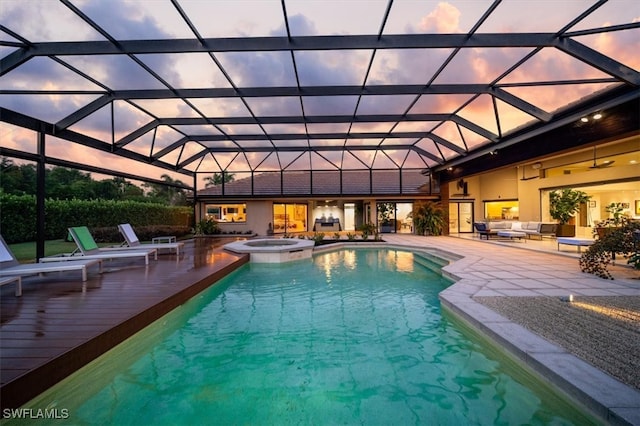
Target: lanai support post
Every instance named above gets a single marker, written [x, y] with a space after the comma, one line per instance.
[444, 200]
[40, 196]
[195, 200]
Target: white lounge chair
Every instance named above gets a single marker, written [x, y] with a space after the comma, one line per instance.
[132, 240]
[10, 267]
[17, 279]
[88, 249]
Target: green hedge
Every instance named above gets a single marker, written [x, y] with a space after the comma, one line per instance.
[18, 216]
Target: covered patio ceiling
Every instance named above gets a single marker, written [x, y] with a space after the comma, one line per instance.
[197, 87]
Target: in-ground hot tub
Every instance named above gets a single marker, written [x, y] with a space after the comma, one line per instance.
[273, 250]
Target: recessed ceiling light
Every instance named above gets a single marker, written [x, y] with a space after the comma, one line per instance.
[597, 116]
[584, 119]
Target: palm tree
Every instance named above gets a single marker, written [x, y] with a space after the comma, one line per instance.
[169, 192]
[218, 178]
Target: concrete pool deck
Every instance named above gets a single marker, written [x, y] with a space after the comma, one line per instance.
[56, 314]
[494, 270]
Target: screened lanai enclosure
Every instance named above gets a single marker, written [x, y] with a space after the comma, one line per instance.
[389, 94]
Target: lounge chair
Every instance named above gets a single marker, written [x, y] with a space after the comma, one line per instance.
[17, 279]
[11, 268]
[88, 249]
[131, 240]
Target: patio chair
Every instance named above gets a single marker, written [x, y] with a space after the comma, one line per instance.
[132, 240]
[88, 249]
[10, 268]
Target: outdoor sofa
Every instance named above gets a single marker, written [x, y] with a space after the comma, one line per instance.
[531, 229]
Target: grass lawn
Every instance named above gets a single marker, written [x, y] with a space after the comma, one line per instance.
[26, 252]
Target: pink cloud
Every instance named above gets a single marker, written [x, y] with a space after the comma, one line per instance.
[623, 46]
[445, 18]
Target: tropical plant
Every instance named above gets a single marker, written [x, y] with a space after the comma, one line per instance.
[318, 237]
[351, 236]
[169, 192]
[218, 178]
[386, 216]
[564, 203]
[368, 229]
[620, 241]
[617, 215]
[429, 218]
[616, 220]
[207, 226]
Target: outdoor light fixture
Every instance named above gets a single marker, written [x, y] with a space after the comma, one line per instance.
[568, 298]
[596, 116]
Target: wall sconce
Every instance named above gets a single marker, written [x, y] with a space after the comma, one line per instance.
[536, 166]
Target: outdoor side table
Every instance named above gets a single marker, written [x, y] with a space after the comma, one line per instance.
[165, 239]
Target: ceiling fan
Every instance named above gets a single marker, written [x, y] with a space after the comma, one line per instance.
[604, 164]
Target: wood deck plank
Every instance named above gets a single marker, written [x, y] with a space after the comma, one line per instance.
[60, 323]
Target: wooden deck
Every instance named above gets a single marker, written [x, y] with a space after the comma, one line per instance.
[60, 324]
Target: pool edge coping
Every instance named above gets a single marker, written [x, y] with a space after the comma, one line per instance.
[599, 393]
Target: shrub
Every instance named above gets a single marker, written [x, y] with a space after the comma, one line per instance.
[368, 229]
[620, 241]
[207, 226]
[18, 216]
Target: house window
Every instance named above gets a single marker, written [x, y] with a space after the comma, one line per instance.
[289, 218]
[227, 212]
[502, 210]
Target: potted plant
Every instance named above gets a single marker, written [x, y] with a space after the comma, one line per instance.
[615, 220]
[385, 216]
[428, 218]
[563, 204]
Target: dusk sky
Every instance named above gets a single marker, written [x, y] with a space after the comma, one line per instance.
[48, 21]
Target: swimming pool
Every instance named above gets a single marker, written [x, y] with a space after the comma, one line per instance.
[350, 336]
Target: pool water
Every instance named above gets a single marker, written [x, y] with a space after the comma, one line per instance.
[349, 337]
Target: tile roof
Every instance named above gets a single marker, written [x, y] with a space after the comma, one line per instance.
[306, 183]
